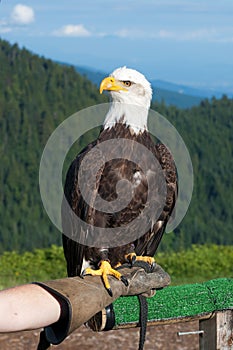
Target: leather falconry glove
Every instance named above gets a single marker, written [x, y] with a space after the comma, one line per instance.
[82, 298]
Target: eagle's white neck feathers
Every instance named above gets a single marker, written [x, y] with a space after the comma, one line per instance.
[131, 104]
[135, 117]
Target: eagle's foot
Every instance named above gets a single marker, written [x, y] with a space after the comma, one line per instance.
[132, 257]
[104, 270]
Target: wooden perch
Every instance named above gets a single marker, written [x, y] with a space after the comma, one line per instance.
[211, 303]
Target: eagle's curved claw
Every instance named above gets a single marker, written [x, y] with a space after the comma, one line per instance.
[153, 266]
[132, 258]
[125, 281]
[109, 290]
[104, 270]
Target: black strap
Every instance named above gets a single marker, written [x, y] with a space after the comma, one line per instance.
[143, 315]
[110, 318]
[43, 342]
[142, 320]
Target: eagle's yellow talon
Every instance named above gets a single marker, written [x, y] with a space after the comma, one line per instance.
[147, 259]
[104, 270]
[117, 265]
[92, 272]
[132, 257]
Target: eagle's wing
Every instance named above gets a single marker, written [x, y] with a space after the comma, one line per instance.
[148, 243]
[73, 250]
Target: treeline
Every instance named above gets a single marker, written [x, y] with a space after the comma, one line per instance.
[207, 131]
[198, 263]
[36, 95]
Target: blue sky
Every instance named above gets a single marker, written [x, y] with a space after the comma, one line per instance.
[181, 41]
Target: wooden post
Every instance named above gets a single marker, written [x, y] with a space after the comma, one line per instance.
[218, 331]
[225, 329]
[207, 340]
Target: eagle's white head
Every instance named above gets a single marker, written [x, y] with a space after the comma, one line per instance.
[131, 97]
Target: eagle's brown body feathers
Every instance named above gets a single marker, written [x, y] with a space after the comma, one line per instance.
[106, 184]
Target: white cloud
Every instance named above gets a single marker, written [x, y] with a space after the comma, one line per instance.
[199, 34]
[131, 33]
[225, 40]
[5, 29]
[214, 35]
[75, 30]
[22, 14]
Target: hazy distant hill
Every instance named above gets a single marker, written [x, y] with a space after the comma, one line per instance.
[174, 98]
[186, 90]
[170, 94]
[94, 76]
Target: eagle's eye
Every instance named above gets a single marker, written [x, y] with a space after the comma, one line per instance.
[127, 83]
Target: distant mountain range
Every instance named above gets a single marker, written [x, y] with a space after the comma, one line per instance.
[172, 94]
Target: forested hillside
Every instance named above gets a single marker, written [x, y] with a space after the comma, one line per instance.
[208, 133]
[36, 94]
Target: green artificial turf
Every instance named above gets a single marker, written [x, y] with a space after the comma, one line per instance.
[178, 302]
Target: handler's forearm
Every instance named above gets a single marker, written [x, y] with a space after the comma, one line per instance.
[27, 307]
[70, 301]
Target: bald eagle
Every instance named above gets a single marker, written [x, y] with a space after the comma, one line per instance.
[126, 120]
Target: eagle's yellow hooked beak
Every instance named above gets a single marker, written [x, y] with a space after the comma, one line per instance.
[111, 84]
